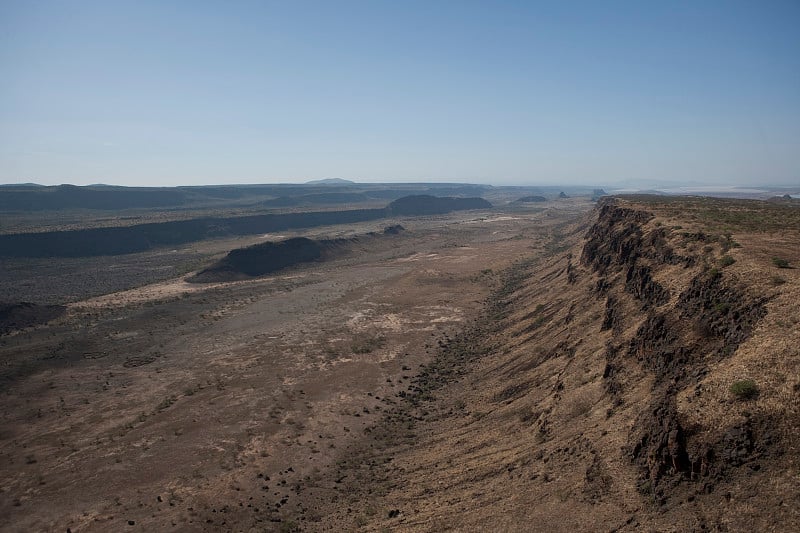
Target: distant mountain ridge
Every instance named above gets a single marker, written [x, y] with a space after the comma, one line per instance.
[331, 181]
[137, 238]
[31, 197]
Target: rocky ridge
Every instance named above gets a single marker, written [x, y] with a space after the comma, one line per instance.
[601, 394]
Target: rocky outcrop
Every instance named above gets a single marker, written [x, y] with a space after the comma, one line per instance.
[708, 321]
[531, 199]
[639, 282]
[395, 229]
[266, 258]
[720, 311]
[615, 240]
[423, 204]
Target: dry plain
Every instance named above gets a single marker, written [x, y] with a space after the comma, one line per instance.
[177, 406]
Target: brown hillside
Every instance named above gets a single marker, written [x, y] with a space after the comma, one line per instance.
[646, 377]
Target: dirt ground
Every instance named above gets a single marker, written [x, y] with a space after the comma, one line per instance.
[177, 406]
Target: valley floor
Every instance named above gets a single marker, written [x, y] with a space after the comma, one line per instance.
[178, 406]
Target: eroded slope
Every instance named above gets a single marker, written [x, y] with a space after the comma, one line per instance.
[607, 388]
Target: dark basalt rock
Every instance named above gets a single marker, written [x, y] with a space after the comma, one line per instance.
[615, 240]
[711, 318]
[265, 258]
[639, 282]
[660, 448]
[719, 310]
[611, 316]
[658, 347]
[423, 204]
[396, 229]
[737, 445]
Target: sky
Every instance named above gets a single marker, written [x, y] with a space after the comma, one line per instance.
[565, 92]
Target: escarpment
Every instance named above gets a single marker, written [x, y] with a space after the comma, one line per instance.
[604, 395]
[269, 257]
[676, 337]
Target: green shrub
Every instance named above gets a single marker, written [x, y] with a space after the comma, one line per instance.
[780, 262]
[726, 260]
[744, 389]
[777, 280]
[722, 308]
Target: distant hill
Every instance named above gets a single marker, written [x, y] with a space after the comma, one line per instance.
[39, 198]
[268, 257]
[785, 199]
[424, 204]
[531, 199]
[263, 258]
[331, 181]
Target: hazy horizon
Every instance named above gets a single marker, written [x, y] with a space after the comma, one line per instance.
[669, 187]
[518, 93]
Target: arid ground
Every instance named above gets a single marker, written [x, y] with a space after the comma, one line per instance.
[189, 406]
[630, 366]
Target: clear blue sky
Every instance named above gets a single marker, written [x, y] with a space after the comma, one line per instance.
[170, 92]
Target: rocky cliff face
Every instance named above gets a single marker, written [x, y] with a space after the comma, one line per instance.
[677, 337]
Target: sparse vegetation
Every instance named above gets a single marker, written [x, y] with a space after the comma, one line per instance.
[722, 307]
[727, 242]
[744, 389]
[780, 262]
[726, 261]
[727, 214]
